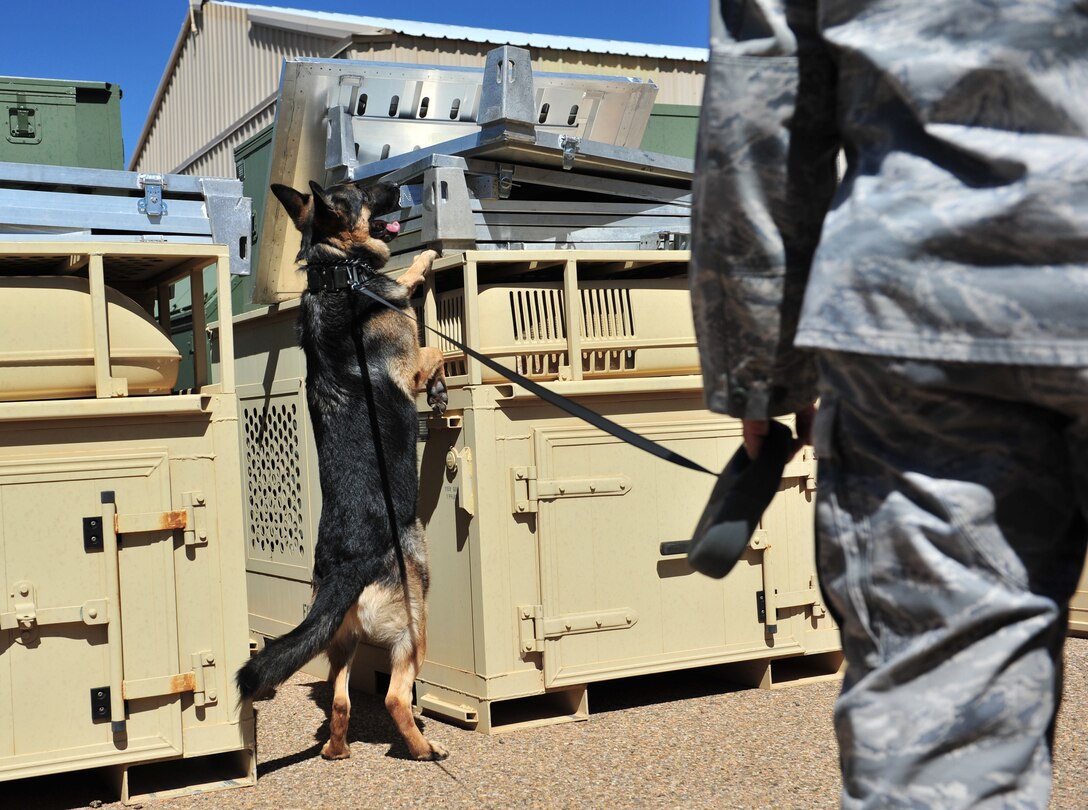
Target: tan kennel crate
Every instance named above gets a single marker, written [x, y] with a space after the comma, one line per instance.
[545, 534]
[123, 617]
[1078, 607]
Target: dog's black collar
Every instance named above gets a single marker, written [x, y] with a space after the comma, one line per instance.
[338, 275]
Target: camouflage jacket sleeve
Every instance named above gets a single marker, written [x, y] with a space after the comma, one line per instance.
[764, 177]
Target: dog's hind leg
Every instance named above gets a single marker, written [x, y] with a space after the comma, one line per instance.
[432, 376]
[406, 658]
[340, 654]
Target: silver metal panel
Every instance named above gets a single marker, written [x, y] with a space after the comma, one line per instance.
[448, 162]
[377, 110]
[546, 152]
[50, 199]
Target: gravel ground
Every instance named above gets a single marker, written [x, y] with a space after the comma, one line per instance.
[685, 740]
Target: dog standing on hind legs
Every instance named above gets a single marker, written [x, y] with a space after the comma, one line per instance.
[364, 366]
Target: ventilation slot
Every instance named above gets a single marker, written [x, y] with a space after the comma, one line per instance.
[274, 483]
[539, 317]
[607, 315]
[451, 315]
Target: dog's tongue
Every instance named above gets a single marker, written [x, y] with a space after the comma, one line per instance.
[393, 227]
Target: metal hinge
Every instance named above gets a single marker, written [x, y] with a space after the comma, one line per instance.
[534, 628]
[200, 680]
[152, 204]
[527, 490]
[768, 613]
[196, 526]
[810, 597]
[192, 520]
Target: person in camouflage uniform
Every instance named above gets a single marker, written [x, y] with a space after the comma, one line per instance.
[936, 301]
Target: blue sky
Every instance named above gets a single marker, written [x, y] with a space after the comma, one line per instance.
[128, 42]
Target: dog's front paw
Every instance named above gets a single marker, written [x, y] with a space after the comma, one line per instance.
[429, 256]
[331, 751]
[437, 753]
[438, 396]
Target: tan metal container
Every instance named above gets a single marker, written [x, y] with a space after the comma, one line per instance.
[1078, 607]
[46, 349]
[546, 534]
[123, 616]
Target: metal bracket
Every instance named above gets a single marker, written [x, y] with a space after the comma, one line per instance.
[459, 463]
[340, 147]
[204, 671]
[534, 628]
[530, 621]
[447, 209]
[761, 612]
[523, 496]
[810, 597]
[231, 218]
[196, 529]
[25, 598]
[152, 204]
[665, 240]
[100, 704]
[526, 490]
[26, 616]
[192, 520]
[92, 533]
[24, 124]
[200, 680]
[505, 181]
[570, 149]
[506, 95]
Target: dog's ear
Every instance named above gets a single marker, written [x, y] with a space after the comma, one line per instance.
[299, 206]
[323, 204]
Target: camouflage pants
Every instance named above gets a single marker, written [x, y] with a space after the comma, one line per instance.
[951, 517]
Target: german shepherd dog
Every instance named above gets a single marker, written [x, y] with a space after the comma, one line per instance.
[369, 580]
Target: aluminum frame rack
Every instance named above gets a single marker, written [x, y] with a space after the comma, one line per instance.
[61, 202]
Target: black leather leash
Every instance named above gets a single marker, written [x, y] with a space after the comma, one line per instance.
[379, 452]
[558, 400]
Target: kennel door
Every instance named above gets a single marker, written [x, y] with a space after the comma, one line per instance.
[70, 611]
[612, 605]
[282, 502]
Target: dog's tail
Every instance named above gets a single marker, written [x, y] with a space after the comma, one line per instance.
[282, 657]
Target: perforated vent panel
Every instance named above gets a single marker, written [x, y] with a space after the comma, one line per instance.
[451, 314]
[606, 313]
[274, 480]
[538, 315]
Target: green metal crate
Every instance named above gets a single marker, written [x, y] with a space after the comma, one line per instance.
[61, 123]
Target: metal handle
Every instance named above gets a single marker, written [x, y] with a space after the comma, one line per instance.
[113, 629]
[671, 548]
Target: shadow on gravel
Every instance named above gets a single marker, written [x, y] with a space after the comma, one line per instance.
[61, 791]
[370, 723]
[666, 687]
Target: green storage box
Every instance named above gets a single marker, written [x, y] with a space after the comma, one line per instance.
[61, 123]
[672, 130]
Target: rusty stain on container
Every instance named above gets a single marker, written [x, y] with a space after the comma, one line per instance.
[168, 522]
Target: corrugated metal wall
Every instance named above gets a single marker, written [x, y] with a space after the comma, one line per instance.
[226, 73]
